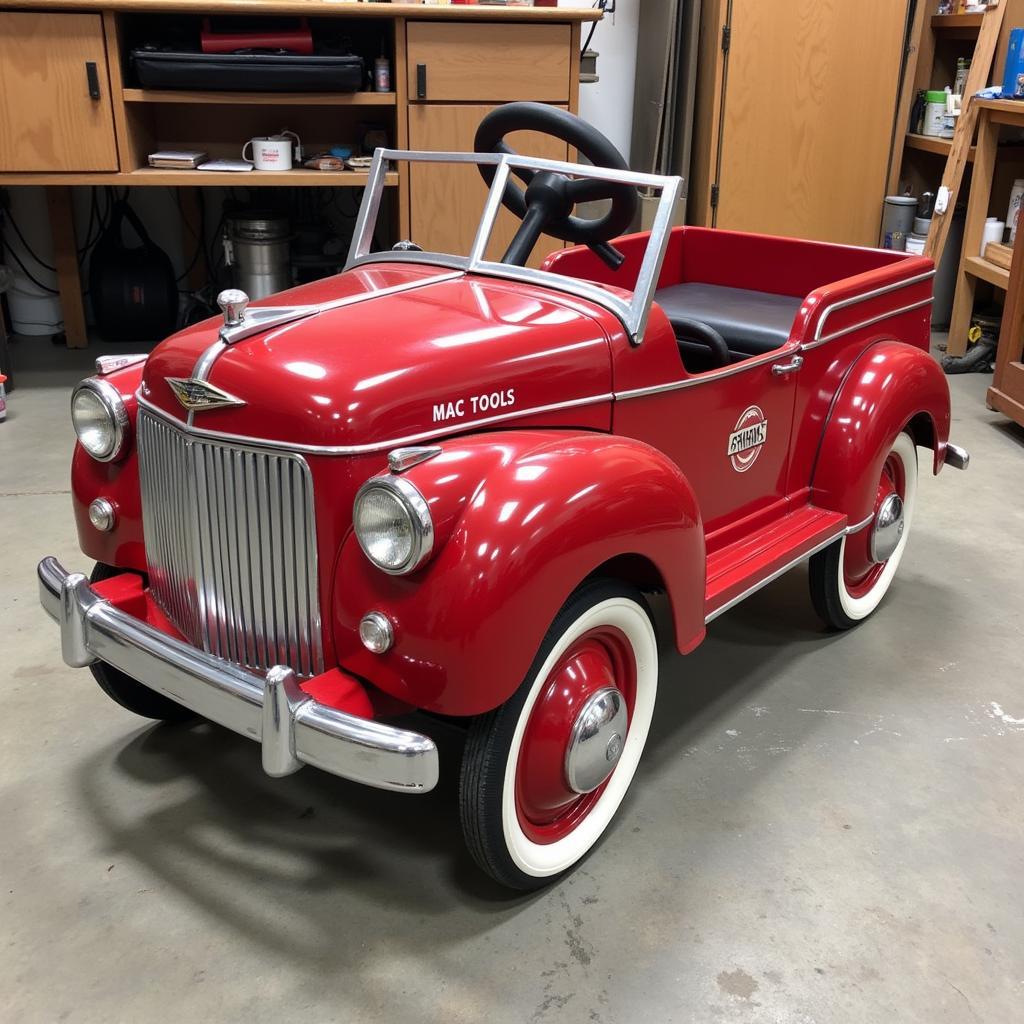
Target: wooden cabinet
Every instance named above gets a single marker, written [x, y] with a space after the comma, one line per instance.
[55, 110]
[486, 62]
[449, 198]
[794, 115]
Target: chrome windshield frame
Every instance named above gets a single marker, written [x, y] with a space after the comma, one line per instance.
[633, 312]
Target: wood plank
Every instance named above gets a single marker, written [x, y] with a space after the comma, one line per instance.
[707, 113]
[190, 200]
[1009, 406]
[955, 22]
[319, 8]
[953, 175]
[986, 271]
[1010, 349]
[143, 176]
[400, 82]
[931, 144]
[263, 99]
[912, 58]
[65, 259]
[489, 63]
[999, 254]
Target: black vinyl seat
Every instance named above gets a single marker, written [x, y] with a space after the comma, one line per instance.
[752, 323]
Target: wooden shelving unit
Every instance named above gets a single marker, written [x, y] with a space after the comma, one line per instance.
[979, 267]
[58, 133]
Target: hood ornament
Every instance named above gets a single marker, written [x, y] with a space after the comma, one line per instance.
[240, 322]
[197, 395]
[233, 303]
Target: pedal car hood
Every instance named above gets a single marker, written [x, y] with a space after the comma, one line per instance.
[419, 352]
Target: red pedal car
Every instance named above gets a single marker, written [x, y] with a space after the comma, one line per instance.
[442, 483]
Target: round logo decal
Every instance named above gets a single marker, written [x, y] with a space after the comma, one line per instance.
[747, 440]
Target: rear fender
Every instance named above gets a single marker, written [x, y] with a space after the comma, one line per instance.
[521, 519]
[891, 387]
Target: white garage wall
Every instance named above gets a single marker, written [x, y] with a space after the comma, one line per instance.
[608, 104]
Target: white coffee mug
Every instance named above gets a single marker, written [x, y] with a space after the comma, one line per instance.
[272, 153]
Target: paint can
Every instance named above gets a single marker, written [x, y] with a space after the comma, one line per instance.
[897, 221]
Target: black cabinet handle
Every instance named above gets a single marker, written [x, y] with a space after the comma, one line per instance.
[421, 81]
[93, 78]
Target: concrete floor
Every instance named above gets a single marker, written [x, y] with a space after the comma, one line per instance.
[824, 828]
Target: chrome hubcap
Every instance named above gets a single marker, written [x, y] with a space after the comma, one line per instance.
[888, 528]
[596, 741]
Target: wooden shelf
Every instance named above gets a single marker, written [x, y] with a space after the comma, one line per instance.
[324, 8]
[933, 144]
[952, 22]
[305, 99]
[151, 176]
[981, 268]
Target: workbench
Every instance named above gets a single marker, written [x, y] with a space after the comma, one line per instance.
[449, 66]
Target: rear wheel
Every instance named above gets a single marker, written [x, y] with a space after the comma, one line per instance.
[128, 692]
[544, 774]
[850, 577]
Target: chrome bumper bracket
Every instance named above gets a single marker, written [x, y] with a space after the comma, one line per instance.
[957, 457]
[292, 728]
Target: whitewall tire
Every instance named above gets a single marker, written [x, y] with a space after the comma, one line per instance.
[847, 582]
[544, 774]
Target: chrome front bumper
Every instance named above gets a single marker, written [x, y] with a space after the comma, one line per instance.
[292, 728]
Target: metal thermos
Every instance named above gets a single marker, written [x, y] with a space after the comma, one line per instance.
[258, 247]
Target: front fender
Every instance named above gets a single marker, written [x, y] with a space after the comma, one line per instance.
[522, 517]
[891, 387]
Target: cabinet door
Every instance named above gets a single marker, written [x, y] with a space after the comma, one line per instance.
[48, 119]
[447, 199]
[805, 140]
[472, 61]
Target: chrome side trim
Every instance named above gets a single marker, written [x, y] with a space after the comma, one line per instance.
[853, 300]
[704, 378]
[375, 446]
[784, 569]
[633, 313]
[106, 365]
[271, 709]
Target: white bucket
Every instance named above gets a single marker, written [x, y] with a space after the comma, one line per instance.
[33, 311]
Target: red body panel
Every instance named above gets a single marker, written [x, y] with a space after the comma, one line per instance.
[522, 517]
[566, 448]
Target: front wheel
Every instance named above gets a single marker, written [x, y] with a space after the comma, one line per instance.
[544, 774]
[130, 693]
[850, 577]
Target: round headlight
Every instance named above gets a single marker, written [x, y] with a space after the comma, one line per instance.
[100, 419]
[393, 525]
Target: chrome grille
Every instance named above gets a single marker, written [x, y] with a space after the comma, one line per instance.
[231, 546]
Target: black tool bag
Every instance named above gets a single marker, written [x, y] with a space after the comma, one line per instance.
[133, 291]
[247, 72]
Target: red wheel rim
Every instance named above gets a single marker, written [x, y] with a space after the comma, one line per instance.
[547, 809]
[860, 573]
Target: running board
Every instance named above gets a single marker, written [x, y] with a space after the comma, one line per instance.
[739, 569]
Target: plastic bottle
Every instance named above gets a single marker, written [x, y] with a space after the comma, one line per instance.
[3, 399]
[382, 74]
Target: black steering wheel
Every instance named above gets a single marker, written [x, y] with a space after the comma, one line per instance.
[546, 204]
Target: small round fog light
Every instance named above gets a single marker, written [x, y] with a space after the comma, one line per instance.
[376, 632]
[102, 514]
